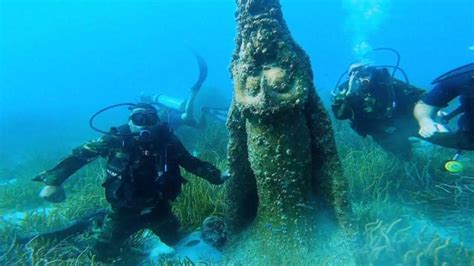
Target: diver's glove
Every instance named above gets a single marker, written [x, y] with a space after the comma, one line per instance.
[54, 194]
[40, 178]
[225, 176]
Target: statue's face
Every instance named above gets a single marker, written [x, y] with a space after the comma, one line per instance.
[268, 90]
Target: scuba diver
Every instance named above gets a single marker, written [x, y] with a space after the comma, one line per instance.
[455, 83]
[143, 176]
[178, 112]
[378, 105]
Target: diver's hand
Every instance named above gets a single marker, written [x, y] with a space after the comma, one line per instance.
[54, 194]
[428, 128]
[225, 176]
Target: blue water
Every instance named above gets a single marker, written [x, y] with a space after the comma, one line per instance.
[62, 60]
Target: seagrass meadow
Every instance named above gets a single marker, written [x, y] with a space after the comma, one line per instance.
[405, 213]
[299, 186]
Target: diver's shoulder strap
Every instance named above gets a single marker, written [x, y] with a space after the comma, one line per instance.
[164, 131]
[459, 110]
[123, 132]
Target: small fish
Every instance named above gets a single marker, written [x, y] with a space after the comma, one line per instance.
[192, 243]
[303, 205]
[10, 181]
[276, 230]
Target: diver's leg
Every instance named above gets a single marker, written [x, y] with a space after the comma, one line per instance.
[395, 143]
[468, 141]
[165, 225]
[461, 140]
[117, 228]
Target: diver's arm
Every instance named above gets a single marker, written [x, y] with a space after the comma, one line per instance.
[341, 109]
[65, 168]
[341, 104]
[73, 162]
[52, 191]
[425, 114]
[198, 167]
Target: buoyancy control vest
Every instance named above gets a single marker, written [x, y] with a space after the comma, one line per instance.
[141, 175]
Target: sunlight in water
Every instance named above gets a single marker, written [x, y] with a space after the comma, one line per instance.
[364, 18]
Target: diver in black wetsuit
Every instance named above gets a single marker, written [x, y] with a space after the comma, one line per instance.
[144, 161]
[378, 105]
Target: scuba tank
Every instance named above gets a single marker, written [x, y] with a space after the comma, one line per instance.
[170, 102]
[185, 107]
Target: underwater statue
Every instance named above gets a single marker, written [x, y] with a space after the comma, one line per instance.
[282, 153]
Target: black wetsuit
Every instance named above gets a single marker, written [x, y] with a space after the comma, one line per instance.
[142, 179]
[383, 110]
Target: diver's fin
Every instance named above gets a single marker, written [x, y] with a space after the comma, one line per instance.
[189, 107]
[454, 73]
[202, 71]
[76, 227]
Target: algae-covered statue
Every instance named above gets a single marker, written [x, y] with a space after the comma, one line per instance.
[282, 153]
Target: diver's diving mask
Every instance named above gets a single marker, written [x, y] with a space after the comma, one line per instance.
[142, 121]
[144, 118]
